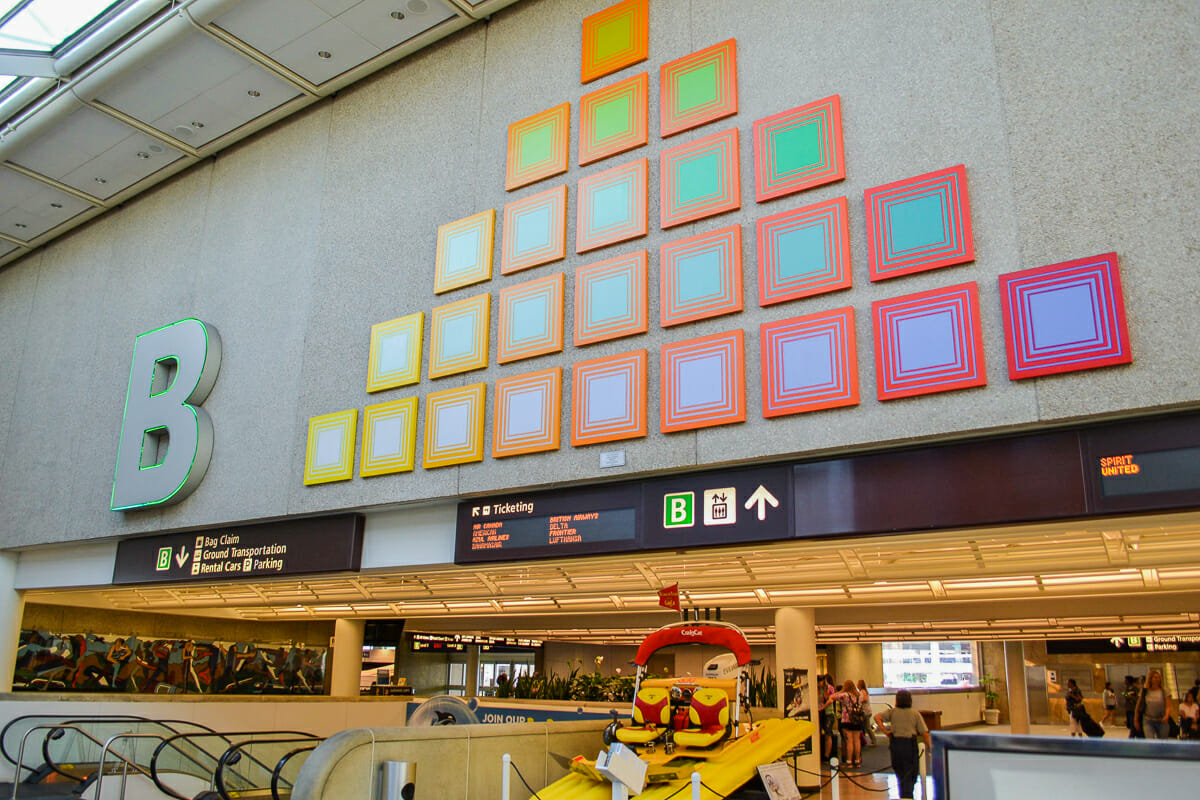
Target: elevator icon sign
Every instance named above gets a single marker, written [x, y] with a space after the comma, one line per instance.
[720, 506]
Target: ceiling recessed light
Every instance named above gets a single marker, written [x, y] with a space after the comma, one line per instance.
[418, 6]
[142, 154]
[101, 180]
[254, 93]
[20, 225]
[397, 15]
[156, 148]
[197, 125]
[183, 131]
[324, 54]
[56, 205]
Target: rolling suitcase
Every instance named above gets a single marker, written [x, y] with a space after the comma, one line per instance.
[1090, 726]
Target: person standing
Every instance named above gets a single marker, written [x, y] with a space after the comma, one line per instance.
[852, 723]
[1189, 716]
[1129, 696]
[1110, 703]
[1154, 707]
[864, 701]
[1074, 699]
[827, 710]
[906, 725]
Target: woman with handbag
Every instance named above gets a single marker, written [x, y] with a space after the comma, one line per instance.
[1154, 708]
[906, 725]
[853, 722]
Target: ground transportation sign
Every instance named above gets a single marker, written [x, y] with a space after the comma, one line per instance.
[290, 547]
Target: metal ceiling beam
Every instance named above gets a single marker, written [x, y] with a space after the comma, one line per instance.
[27, 65]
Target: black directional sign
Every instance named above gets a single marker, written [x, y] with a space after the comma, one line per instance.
[712, 508]
[291, 547]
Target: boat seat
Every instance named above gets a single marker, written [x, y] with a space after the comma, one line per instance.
[651, 716]
[708, 719]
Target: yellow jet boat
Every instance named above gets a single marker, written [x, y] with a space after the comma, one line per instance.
[683, 725]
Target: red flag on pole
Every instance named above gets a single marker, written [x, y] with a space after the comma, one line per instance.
[668, 597]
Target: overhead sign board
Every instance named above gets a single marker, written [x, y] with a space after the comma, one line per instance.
[715, 508]
[1125, 644]
[290, 547]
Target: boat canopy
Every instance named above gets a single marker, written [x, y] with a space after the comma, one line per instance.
[713, 633]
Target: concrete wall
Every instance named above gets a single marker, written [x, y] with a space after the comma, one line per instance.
[67, 619]
[1076, 121]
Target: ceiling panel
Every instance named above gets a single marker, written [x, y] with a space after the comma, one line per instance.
[127, 162]
[373, 20]
[29, 208]
[81, 136]
[267, 25]
[226, 106]
[325, 52]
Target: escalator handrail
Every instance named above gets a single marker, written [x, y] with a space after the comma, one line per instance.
[277, 774]
[81, 732]
[4, 732]
[226, 737]
[73, 722]
[106, 749]
[227, 757]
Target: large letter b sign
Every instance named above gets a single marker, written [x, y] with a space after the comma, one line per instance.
[166, 438]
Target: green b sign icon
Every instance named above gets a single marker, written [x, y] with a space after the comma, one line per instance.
[679, 510]
[164, 559]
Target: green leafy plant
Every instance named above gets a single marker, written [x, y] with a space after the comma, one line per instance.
[990, 696]
[764, 688]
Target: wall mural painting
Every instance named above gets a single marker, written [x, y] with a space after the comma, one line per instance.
[62, 662]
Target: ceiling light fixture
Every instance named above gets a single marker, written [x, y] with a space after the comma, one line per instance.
[142, 154]
[418, 6]
[254, 93]
[397, 15]
[101, 180]
[324, 54]
[56, 205]
[20, 225]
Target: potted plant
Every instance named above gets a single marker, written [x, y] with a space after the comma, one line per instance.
[991, 713]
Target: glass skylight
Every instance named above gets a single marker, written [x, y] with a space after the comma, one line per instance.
[43, 25]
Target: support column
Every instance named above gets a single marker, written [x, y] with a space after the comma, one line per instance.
[1018, 692]
[12, 607]
[796, 648]
[347, 657]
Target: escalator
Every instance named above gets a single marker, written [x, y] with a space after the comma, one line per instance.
[230, 766]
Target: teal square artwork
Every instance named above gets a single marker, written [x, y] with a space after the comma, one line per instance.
[803, 252]
[701, 276]
[531, 319]
[612, 206]
[610, 299]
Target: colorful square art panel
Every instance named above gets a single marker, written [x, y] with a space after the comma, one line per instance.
[535, 231]
[809, 363]
[703, 382]
[799, 149]
[700, 179]
[395, 355]
[612, 206]
[531, 319]
[613, 119]
[610, 299]
[329, 456]
[928, 342]
[464, 252]
[454, 426]
[699, 88]
[389, 438]
[608, 399]
[459, 341]
[537, 147]
[615, 38]
[1064, 317]
[701, 276]
[919, 224]
[804, 252]
[528, 413]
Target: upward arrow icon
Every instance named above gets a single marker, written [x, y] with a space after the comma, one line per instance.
[762, 497]
[182, 557]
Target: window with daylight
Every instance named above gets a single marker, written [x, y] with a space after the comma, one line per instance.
[915, 665]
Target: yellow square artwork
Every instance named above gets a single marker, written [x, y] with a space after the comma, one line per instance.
[395, 356]
[330, 453]
[389, 438]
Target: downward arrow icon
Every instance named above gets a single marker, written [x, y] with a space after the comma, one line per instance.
[182, 558]
[762, 497]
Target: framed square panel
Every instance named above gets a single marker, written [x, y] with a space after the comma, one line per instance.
[459, 338]
[454, 426]
[608, 399]
[804, 252]
[1064, 317]
[613, 119]
[464, 252]
[700, 179]
[703, 382]
[537, 147]
[535, 231]
[615, 38]
[611, 206]
[809, 363]
[928, 342]
[389, 438]
[799, 149]
[329, 456]
[395, 355]
[699, 88]
[919, 224]
[610, 299]
[531, 319]
[701, 276]
[528, 413]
